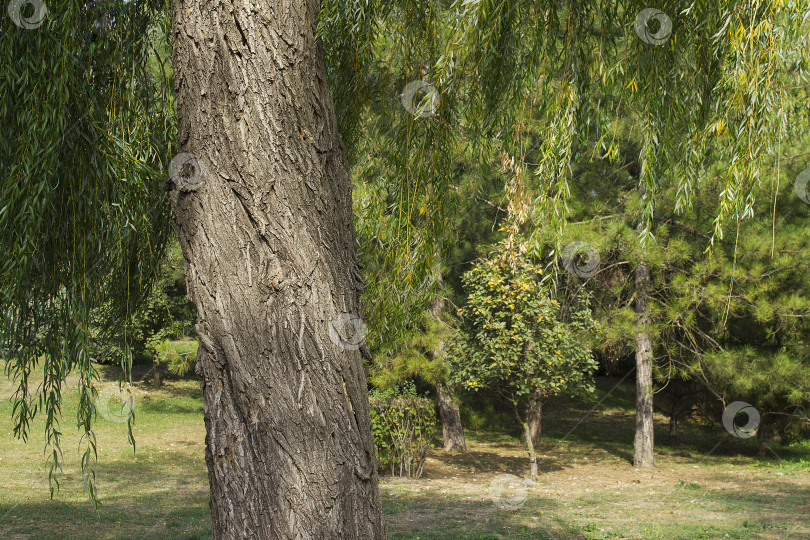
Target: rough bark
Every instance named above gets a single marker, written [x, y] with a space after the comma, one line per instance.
[643, 443]
[527, 439]
[763, 436]
[269, 246]
[452, 429]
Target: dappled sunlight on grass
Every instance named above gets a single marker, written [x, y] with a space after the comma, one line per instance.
[587, 487]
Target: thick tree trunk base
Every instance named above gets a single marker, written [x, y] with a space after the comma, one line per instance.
[263, 206]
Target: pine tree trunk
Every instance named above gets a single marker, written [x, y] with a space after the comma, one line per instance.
[762, 438]
[452, 429]
[673, 412]
[643, 443]
[269, 246]
[673, 429]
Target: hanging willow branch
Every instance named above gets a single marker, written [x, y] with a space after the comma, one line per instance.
[86, 124]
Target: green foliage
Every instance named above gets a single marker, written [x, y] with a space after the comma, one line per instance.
[404, 425]
[515, 340]
[745, 305]
[777, 384]
[179, 356]
[89, 119]
[167, 313]
[87, 124]
[418, 358]
[542, 84]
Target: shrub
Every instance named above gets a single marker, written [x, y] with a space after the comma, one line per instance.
[166, 314]
[403, 428]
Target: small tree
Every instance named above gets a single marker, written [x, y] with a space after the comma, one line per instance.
[517, 342]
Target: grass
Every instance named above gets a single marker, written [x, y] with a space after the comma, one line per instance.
[159, 491]
[587, 489]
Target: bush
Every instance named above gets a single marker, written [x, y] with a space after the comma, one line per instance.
[403, 428]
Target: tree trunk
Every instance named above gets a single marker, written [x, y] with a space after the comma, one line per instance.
[449, 415]
[535, 418]
[673, 428]
[643, 443]
[452, 429]
[532, 456]
[157, 382]
[762, 438]
[264, 220]
[673, 410]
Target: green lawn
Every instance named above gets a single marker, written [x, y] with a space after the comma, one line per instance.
[587, 487]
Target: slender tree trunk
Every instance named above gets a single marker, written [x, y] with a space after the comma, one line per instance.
[762, 437]
[643, 444]
[673, 428]
[267, 237]
[157, 382]
[673, 412]
[527, 438]
[535, 418]
[452, 429]
[532, 456]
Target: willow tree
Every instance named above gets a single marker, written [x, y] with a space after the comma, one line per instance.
[262, 197]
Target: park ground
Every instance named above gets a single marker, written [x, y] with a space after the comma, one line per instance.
[709, 485]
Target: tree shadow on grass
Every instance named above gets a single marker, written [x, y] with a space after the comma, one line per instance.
[147, 404]
[764, 507]
[604, 433]
[496, 436]
[185, 391]
[141, 369]
[488, 463]
[140, 499]
[142, 377]
[785, 496]
[144, 518]
[433, 516]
